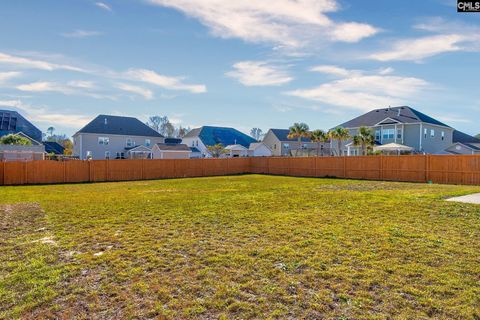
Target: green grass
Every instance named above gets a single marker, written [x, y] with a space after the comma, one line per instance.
[239, 247]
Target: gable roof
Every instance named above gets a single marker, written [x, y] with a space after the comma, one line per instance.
[236, 147]
[466, 139]
[256, 145]
[129, 126]
[282, 135]
[13, 122]
[226, 136]
[403, 114]
[173, 147]
[53, 147]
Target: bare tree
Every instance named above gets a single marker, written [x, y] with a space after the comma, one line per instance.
[256, 133]
[182, 131]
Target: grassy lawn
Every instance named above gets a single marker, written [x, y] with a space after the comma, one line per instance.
[239, 247]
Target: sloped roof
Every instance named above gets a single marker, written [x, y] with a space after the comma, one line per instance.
[173, 147]
[53, 147]
[282, 135]
[235, 147]
[255, 145]
[129, 126]
[403, 114]
[466, 139]
[13, 122]
[226, 136]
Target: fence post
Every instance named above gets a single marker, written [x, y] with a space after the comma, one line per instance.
[427, 167]
[26, 172]
[381, 167]
[89, 170]
[142, 169]
[344, 166]
[64, 172]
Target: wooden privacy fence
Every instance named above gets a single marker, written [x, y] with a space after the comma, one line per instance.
[454, 169]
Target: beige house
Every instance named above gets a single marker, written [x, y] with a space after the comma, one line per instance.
[280, 145]
[171, 151]
[259, 149]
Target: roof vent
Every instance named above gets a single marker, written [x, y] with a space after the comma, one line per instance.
[105, 121]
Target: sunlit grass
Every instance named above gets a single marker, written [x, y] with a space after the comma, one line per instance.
[239, 247]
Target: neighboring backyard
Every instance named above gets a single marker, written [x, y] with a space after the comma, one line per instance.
[248, 246]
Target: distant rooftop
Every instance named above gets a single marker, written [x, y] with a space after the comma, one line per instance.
[226, 136]
[129, 126]
[403, 114]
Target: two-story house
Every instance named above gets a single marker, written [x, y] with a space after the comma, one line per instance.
[277, 140]
[115, 137]
[401, 125]
[205, 136]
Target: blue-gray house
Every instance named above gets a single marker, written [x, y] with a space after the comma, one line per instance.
[14, 122]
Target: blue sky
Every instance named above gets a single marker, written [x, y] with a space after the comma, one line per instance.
[238, 63]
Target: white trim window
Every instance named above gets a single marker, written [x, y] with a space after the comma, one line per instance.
[425, 132]
[443, 135]
[399, 133]
[148, 143]
[129, 143]
[378, 135]
[286, 145]
[432, 133]
[388, 133]
[107, 155]
[103, 141]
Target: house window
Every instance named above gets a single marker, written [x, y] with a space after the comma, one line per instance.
[120, 155]
[129, 143]
[107, 155]
[305, 146]
[193, 143]
[286, 145]
[388, 133]
[103, 140]
[147, 142]
[197, 143]
[443, 135]
[275, 146]
[377, 135]
[89, 155]
[399, 134]
[425, 132]
[432, 133]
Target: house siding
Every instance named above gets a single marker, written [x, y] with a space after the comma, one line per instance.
[84, 142]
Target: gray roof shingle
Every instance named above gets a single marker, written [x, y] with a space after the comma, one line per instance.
[466, 139]
[173, 147]
[129, 126]
[403, 114]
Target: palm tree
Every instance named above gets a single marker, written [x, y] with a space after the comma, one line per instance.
[364, 139]
[299, 131]
[340, 134]
[318, 136]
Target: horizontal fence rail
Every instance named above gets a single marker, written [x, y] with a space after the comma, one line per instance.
[448, 169]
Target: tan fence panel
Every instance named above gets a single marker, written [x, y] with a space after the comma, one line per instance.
[185, 168]
[463, 169]
[159, 169]
[15, 173]
[123, 170]
[1, 173]
[330, 167]
[99, 170]
[238, 165]
[404, 168]
[77, 171]
[215, 167]
[259, 165]
[45, 171]
[363, 167]
[302, 167]
[278, 166]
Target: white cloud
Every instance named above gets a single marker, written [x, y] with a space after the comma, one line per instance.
[5, 76]
[82, 84]
[43, 86]
[363, 91]
[418, 49]
[258, 73]
[46, 115]
[290, 23]
[147, 94]
[172, 83]
[103, 6]
[385, 71]
[81, 34]
[334, 70]
[352, 32]
[35, 64]
[78, 87]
